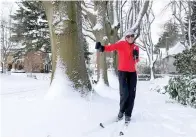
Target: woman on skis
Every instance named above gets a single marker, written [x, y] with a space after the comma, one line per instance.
[128, 54]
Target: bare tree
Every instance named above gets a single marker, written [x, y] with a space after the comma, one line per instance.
[146, 39]
[136, 25]
[112, 22]
[6, 44]
[189, 23]
[179, 8]
[95, 15]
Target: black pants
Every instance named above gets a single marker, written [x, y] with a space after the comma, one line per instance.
[127, 83]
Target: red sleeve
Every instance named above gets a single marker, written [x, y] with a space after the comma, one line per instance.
[137, 48]
[112, 47]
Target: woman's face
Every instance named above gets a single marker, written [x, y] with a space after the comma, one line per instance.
[130, 38]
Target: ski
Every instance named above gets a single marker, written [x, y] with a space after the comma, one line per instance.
[109, 122]
[124, 129]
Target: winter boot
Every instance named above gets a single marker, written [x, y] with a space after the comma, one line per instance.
[127, 119]
[120, 116]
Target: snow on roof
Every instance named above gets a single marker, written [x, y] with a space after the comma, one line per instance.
[178, 48]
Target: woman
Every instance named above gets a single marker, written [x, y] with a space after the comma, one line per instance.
[128, 54]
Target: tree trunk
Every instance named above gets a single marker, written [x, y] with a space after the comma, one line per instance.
[152, 72]
[112, 31]
[64, 25]
[180, 20]
[114, 38]
[189, 22]
[115, 62]
[100, 33]
[2, 67]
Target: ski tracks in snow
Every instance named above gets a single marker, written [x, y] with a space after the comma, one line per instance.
[152, 116]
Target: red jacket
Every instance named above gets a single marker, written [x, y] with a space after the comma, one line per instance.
[126, 61]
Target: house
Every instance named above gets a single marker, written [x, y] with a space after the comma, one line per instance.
[33, 61]
[37, 62]
[11, 62]
[166, 60]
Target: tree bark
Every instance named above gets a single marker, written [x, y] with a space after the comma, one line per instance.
[100, 33]
[65, 26]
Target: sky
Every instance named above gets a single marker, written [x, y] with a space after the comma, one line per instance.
[5, 6]
[158, 5]
[161, 16]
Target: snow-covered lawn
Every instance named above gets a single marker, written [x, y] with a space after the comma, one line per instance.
[25, 112]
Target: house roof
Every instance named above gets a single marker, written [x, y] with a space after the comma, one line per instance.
[178, 48]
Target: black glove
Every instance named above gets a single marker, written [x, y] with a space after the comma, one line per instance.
[99, 47]
[135, 54]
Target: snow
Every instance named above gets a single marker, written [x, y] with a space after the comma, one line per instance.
[17, 46]
[59, 19]
[25, 112]
[90, 10]
[178, 48]
[91, 43]
[40, 20]
[105, 38]
[159, 83]
[25, 8]
[59, 84]
[115, 23]
[34, 41]
[17, 71]
[97, 27]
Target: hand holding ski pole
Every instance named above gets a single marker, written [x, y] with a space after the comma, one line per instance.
[99, 47]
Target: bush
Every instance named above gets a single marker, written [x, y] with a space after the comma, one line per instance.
[185, 62]
[20, 67]
[183, 89]
[146, 70]
[143, 69]
[9, 67]
[42, 71]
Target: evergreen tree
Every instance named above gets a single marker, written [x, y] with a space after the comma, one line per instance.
[30, 27]
[185, 62]
[169, 36]
[193, 23]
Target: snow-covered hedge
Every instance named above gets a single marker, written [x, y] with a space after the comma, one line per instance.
[185, 62]
[183, 89]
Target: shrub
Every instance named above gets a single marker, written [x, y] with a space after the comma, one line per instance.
[183, 89]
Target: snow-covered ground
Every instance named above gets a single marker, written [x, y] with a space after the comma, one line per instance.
[25, 112]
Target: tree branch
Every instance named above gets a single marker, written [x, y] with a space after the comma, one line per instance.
[123, 4]
[127, 17]
[91, 17]
[89, 37]
[141, 14]
[87, 30]
[141, 46]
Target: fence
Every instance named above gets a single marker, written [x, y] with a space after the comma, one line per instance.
[146, 77]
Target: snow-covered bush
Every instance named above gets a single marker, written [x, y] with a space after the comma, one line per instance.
[183, 89]
[185, 62]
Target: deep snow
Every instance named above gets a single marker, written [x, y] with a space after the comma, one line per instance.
[27, 112]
